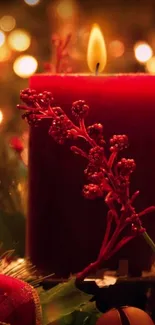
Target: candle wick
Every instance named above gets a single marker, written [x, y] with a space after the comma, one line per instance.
[97, 68]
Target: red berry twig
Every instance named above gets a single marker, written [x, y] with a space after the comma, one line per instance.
[107, 177]
[61, 56]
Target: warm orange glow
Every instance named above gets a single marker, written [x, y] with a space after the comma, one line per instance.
[96, 54]
[116, 48]
[150, 65]
[1, 117]
[65, 9]
[7, 23]
[5, 53]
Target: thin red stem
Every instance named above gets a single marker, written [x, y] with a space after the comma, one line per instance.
[107, 234]
[105, 250]
[85, 135]
[112, 159]
[146, 211]
[91, 268]
[123, 242]
[59, 53]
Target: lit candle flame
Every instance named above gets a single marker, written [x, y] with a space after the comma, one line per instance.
[96, 53]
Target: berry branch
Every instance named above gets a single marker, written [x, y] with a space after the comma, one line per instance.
[61, 55]
[107, 177]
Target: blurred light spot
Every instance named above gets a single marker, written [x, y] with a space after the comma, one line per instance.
[5, 53]
[19, 40]
[31, 2]
[25, 66]
[19, 187]
[1, 117]
[2, 38]
[21, 260]
[65, 9]
[150, 65]
[143, 52]
[7, 23]
[24, 156]
[116, 48]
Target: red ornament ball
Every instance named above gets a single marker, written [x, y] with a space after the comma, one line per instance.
[19, 302]
[16, 144]
[125, 316]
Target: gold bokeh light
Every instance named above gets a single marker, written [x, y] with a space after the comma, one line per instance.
[143, 52]
[2, 38]
[7, 23]
[116, 48]
[19, 40]
[25, 66]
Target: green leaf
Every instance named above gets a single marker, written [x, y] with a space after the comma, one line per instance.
[62, 300]
[12, 232]
[90, 308]
[86, 316]
[12, 172]
[5, 235]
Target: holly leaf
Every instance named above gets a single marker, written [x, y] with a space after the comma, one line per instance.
[87, 315]
[62, 300]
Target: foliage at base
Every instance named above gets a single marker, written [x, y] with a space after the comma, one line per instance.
[65, 304]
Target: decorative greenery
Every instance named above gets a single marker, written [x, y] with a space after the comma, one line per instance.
[12, 199]
[66, 304]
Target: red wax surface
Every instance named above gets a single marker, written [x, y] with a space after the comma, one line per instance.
[64, 229]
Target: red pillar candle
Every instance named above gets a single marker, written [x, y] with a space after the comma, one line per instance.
[64, 229]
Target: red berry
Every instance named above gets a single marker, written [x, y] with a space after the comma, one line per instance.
[79, 109]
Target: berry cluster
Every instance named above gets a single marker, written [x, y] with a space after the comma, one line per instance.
[91, 170]
[59, 128]
[126, 166]
[95, 177]
[118, 142]
[92, 191]
[79, 109]
[32, 99]
[95, 131]
[96, 156]
[136, 225]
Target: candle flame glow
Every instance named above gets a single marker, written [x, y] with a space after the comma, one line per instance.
[150, 65]
[96, 53]
[1, 117]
